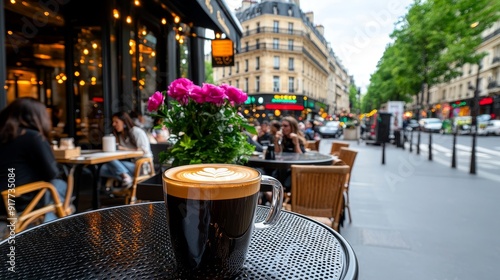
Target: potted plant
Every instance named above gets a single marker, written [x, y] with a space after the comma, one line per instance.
[204, 123]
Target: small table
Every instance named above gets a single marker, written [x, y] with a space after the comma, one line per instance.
[131, 242]
[284, 161]
[94, 158]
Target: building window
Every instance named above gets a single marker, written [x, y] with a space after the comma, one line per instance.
[276, 26]
[290, 11]
[223, 71]
[276, 83]
[276, 43]
[248, 30]
[237, 67]
[258, 27]
[290, 28]
[275, 9]
[257, 84]
[257, 44]
[291, 82]
[237, 83]
[246, 85]
[290, 44]
[290, 63]
[257, 63]
[230, 71]
[276, 63]
[246, 65]
[246, 46]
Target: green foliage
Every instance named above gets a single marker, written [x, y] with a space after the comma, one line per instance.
[209, 73]
[431, 44]
[206, 134]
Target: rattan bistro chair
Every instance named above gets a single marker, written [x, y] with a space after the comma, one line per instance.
[144, 169]
[348, 156]
[317, 191]
[31, 214]
[336, 145]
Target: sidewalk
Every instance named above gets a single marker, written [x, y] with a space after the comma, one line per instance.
[418, 219]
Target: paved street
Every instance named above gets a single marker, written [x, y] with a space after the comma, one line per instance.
[416, 219]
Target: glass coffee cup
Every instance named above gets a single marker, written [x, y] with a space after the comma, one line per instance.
[210, 214]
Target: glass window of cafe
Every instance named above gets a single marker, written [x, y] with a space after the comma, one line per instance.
[37, 66]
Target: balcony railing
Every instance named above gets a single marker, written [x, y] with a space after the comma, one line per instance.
[285, 31]
[271, 46]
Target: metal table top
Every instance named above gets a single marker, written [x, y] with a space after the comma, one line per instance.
[131, 242]
[285, 160]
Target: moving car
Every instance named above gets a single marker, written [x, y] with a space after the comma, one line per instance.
[330, 129]
[493, 127]
[431, 124]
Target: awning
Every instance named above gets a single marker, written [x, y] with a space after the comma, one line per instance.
[211, 14]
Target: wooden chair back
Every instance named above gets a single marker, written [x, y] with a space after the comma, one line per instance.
[336, 145]
[318, 191]
[144, 169]
[31, 214]
[348, 156]
[313, 145]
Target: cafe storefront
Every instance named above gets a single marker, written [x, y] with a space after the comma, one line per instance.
[89, 59]
[275, 106]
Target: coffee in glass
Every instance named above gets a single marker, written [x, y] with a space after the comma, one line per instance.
[210, 214]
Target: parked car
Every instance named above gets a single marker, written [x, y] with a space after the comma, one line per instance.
[330, 129]
[493, 127]
[462, 124]
[431, 124]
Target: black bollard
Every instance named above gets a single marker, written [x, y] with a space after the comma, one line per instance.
[430, 145]
[411, 140]
[454, 151]
[418, 142]
[383, 152]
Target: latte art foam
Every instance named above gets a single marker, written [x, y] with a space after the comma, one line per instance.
[211, 181]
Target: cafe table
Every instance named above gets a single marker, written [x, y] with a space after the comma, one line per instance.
[93, 159]
[132, 242]
[283, 162]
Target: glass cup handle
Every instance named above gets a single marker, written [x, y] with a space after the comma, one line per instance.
[276, 203]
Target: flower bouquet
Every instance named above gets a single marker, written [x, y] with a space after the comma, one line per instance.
[204, 123]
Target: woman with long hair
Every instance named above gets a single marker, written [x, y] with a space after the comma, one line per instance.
[25, 150]
[291, 139]
[129, 137]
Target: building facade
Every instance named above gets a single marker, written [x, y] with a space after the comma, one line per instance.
[285, 64]
[91, 58]
[456, 98]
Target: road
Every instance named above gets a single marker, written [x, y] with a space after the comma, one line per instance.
[487, 152]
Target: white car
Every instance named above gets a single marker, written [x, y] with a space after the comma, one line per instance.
[493, 127]
[431, 124]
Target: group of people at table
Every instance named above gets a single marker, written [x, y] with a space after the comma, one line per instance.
[26, 152]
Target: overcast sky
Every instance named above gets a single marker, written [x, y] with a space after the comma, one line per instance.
[358, 30]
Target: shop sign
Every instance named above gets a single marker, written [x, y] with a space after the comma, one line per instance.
[222, 53]
[284, 98]
[486, 101]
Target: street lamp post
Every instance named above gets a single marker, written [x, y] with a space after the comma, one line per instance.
[475, 113]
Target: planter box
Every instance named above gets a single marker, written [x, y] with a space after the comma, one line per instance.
[351, 134]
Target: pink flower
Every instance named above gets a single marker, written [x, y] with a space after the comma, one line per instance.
[155, 101]
[235, 94]
[214, 94]
[198, 94]
[180, 90]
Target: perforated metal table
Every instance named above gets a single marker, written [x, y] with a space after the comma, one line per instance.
[129, 242]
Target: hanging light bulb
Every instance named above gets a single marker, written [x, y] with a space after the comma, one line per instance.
[129, 19]
[177, 19]
[137, 2]
[163, 21]
[116, 14]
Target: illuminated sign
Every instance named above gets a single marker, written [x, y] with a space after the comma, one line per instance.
[293, 107]
[222, 53]
[250, 100]
[486, 101]
[284, 98]
[459, 104]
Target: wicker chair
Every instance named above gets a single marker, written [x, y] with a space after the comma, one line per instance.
[348, 156]
[32, 215]
[336, 145]
[144, 169]
[317, 191]
[313, 145]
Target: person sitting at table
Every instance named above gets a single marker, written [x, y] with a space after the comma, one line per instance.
[265, 137]
[25, 151]
[129, 137]
[292, 139]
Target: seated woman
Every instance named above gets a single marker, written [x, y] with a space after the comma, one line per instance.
[291, 139]
[129, 137]
[25, 128]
